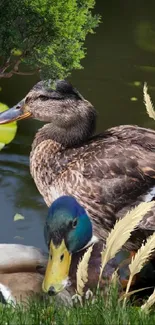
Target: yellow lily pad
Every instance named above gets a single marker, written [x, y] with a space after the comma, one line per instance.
[7, 131]
[18, 217]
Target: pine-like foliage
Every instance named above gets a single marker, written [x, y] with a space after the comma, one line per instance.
[46, 35]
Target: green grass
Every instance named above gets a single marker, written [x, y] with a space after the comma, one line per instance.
[102, 311]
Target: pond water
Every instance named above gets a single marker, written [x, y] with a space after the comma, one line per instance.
[120, 57]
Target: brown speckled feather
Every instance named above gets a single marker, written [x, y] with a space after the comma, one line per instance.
[107, 175]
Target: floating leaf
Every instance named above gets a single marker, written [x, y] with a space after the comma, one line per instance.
[137, 83]
[18, 217]
[133, 99]
[7, 131]
[18, 237]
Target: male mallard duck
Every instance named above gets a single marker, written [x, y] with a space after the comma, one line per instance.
[107, 173]
[68, 233]
[20, 272]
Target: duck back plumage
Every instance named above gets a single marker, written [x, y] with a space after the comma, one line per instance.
[108, 174]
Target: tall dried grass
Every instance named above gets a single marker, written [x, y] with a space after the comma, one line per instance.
[124, 227]
[148, 304]
[82, 271]
[148, 103]
[140, 259]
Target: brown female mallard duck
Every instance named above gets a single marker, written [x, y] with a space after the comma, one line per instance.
[107, 173]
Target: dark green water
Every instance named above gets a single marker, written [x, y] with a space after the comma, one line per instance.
[121, 53]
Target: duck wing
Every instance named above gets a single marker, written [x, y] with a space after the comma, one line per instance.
[112, 173]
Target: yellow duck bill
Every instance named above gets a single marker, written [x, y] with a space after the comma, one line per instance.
[57, 271]
[16, 113]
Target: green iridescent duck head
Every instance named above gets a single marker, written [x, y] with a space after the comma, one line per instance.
[68, 229]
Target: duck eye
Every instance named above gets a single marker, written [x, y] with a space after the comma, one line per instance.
[61, 257]
[74, 223]
[43, 97]
[18, 107]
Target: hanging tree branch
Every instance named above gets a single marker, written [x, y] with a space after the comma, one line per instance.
[46, 36]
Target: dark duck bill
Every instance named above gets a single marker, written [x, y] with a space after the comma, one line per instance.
[16, 113]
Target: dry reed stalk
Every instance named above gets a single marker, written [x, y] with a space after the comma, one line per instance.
[124, 227]
[114, 278]
[129, 294]
[140, 259]
[148, 304]
[148, 103]
[82, 271]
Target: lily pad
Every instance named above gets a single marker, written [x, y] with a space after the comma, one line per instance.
[7, 131]
[18, 217]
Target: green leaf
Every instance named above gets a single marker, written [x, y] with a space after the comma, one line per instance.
[7, 131]
[18, 217]
[16, 52]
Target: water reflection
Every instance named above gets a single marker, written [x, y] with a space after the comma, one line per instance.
[114, 64]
